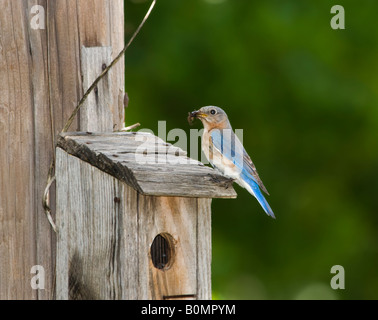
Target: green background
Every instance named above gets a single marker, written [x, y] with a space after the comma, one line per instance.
[306, 97]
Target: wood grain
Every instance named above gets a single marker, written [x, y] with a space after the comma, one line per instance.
[148, 164]
[105, 233]
[177, 217]
[72, 25]
[96, 114]
[17, 161]
[91, 242]
[204, 249]
[40, 74]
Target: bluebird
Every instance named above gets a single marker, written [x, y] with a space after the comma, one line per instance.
[226, 153]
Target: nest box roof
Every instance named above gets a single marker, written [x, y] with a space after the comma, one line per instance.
[148, 164]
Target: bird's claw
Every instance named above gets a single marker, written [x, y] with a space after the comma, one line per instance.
[229, 183]
[223, 181]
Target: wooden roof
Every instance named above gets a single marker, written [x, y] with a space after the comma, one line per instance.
[148, 164]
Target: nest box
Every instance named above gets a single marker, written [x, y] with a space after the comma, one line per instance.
[133, 218]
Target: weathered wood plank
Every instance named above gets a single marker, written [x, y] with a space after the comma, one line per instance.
[177, 216]
[133, 137]
[204, 249]
[129, 257]
[43, 153]
[96, 114]
[63, 205]
[154, 173]
[72, 25]
[17, 179]
[101, 25]
[96, 244]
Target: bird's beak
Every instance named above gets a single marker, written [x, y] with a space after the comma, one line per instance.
[198, 115]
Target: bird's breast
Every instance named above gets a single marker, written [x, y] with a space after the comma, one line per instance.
[217, 159]
[206, 145]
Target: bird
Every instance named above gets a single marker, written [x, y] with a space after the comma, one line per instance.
[226, 153]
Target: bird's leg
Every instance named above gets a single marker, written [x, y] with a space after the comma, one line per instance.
[229, 183]
[215, 178]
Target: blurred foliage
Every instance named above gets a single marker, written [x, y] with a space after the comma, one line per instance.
[306, 97]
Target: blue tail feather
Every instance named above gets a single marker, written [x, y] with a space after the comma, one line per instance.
[259, 196]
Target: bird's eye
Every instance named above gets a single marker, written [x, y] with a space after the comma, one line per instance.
[213, 112]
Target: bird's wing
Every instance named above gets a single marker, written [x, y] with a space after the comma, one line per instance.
[229, 145]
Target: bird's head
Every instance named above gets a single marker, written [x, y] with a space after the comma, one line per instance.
[211, 117]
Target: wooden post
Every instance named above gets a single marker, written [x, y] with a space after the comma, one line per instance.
[40, 85]
[96, 114]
